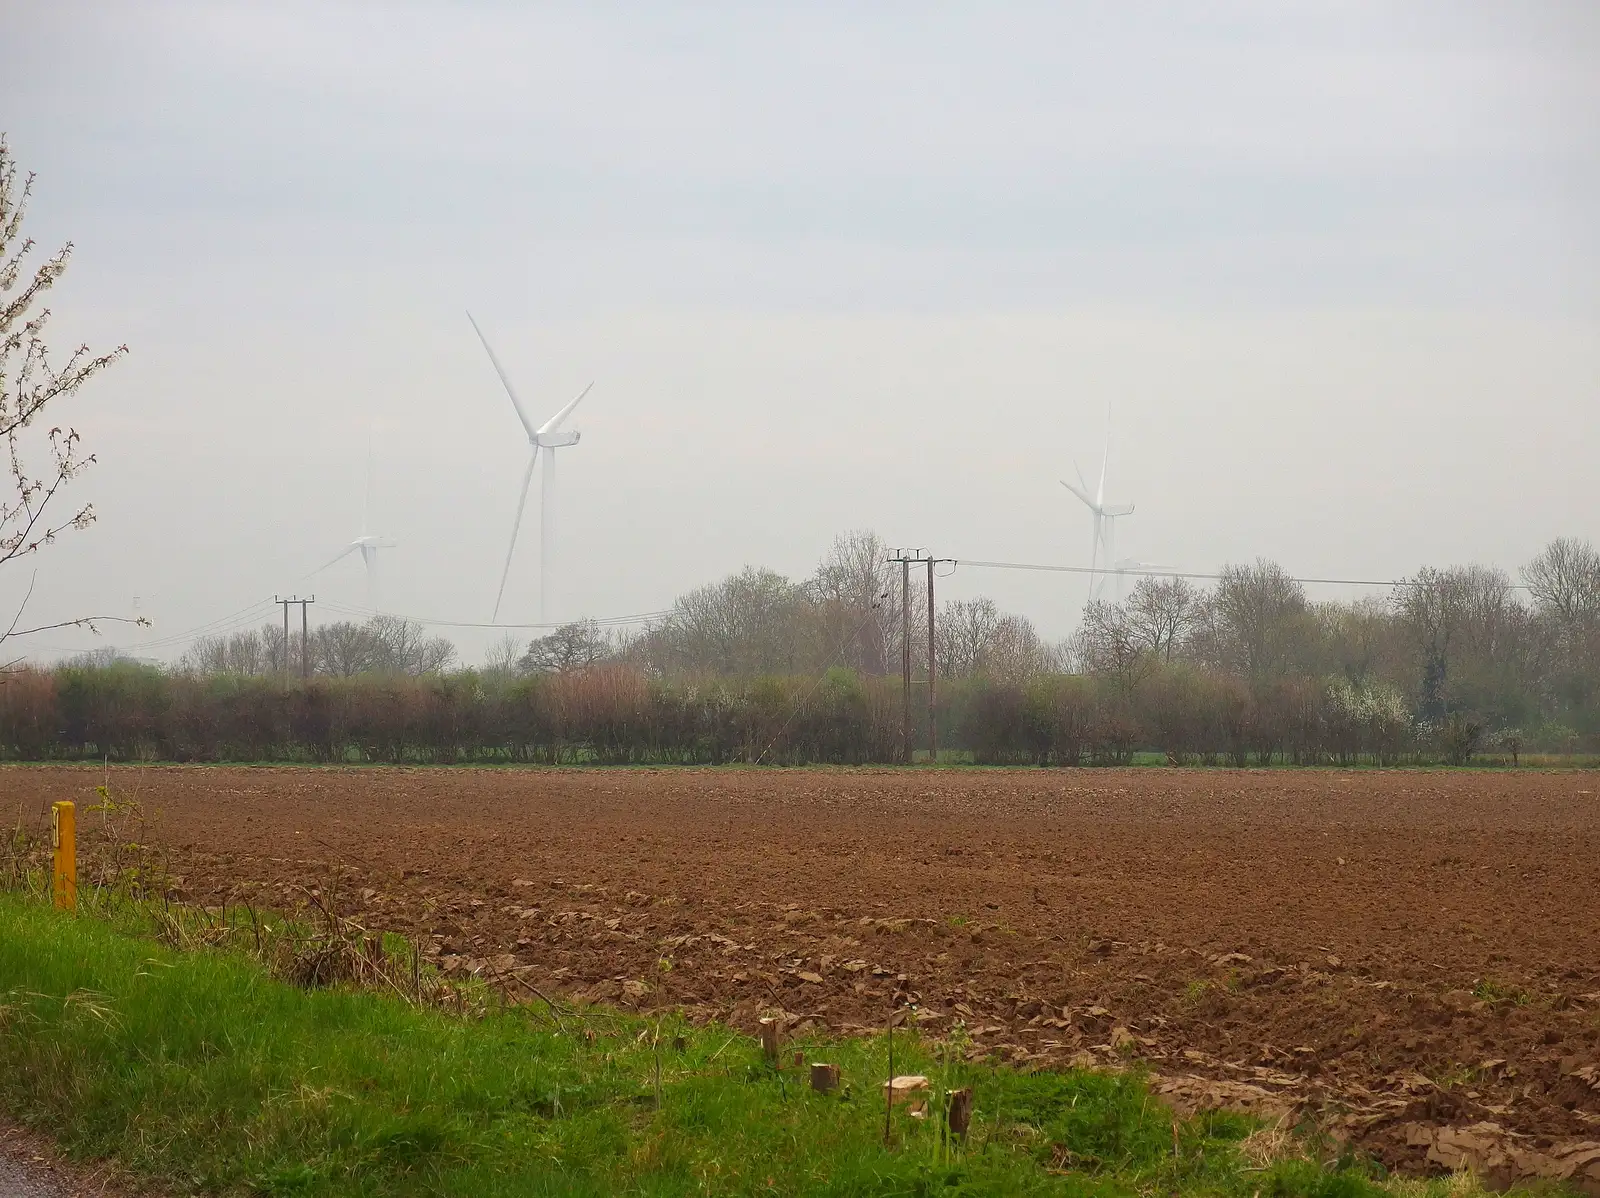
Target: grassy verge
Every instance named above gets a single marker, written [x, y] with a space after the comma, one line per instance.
[201, 1071]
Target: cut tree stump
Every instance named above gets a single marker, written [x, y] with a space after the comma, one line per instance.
[960, 1111]
[824, 1078]
[907, 1088]
[769, 1040]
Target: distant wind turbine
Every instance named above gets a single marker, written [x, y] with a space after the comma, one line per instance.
[367, 543]
[544, 440]
[1105, 517]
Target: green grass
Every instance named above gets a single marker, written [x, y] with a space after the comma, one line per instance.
[200, 1071]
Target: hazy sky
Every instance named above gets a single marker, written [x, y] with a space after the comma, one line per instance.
[1336, 266]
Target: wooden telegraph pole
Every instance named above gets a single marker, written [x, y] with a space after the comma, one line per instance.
[933, 706]
[305, 634]
[905, 659]
[933, 710]
[305, 639]
[906, 558]
[907, 741]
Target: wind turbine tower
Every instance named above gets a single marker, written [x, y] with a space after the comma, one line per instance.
[1105, 516]
[367, 543]
[543, 441]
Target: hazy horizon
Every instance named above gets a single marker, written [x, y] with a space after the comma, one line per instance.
[1334, 270]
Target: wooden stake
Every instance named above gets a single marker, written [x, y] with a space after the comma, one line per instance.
[888, 1090]
[824, 1078]
[799, 1058]
[769, 1041]
[64, 868]
[960, 1111]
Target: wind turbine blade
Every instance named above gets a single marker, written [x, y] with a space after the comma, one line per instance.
[1083, 495]
[1105, 459]
[1078, 470]
[338, 557]
[522, 502]
[550, 426]
[366, 500]
[504, 381]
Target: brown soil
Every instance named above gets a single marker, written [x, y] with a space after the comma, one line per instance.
[1394, 951]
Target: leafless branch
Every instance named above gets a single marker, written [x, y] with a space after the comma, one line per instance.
[30, 383]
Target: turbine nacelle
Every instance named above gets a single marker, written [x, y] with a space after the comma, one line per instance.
[555, 440]
[1107, 510]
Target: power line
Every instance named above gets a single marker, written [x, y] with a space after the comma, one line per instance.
[228, 623]
[602, 621]
[259, 609]
[246, 615]
[221, 624]
[1148, 573]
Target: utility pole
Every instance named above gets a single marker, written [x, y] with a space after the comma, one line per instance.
[906, 557]
[905, 659]
[305, 634]
[933, 709]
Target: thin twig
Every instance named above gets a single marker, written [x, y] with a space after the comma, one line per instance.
[537, 993]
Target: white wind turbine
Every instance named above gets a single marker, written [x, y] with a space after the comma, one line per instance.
[367, 543]
[1105, 517]
[543, 441]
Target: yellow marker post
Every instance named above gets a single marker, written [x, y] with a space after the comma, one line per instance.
[64, 839]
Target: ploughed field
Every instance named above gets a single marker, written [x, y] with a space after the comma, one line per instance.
[1395, 952]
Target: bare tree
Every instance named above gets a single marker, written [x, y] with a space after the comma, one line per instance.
[230, 653]
[856, 622]
[1257, 621]
[29, 384]
[1565, 580]
[503, 656]
[1463, 624]
[343, 649]
[976, 637]
[1161, 611]
[103, 658]
[1107, 646]
[277, 657]
[965, 630]
[404, 647]
[749, 623]
[571, 647]
[1360, 639]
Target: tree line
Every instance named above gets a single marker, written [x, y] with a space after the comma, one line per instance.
[1453, 663]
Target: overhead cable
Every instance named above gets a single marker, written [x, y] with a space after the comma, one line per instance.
[1155, 573]
[601, 621]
